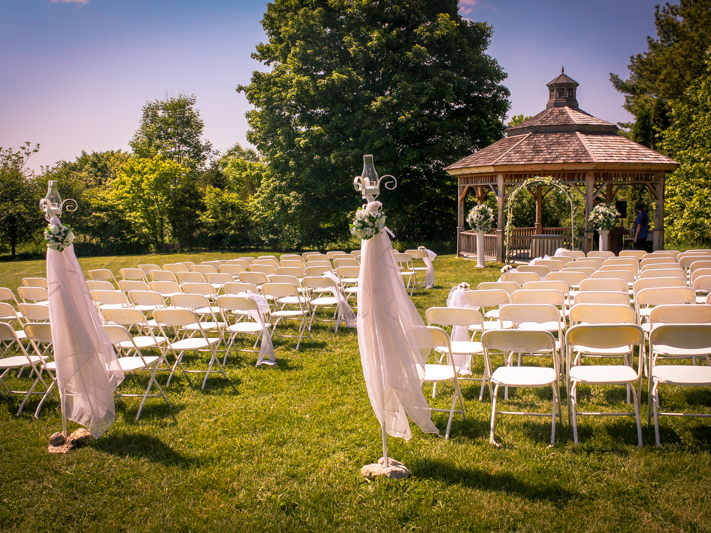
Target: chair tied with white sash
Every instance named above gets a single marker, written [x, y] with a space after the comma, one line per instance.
[457, 298]
[429, 280]
[266, 349]
[345, 312]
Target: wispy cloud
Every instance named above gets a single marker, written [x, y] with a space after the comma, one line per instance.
[467, 6]
[68, 1]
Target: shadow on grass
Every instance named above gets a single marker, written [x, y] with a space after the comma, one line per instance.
[143, 447]
[538, 490]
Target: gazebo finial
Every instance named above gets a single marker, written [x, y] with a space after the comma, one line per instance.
[562, 69]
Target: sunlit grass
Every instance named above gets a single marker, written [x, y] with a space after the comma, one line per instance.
[280, 449]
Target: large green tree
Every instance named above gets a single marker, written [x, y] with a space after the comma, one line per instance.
[671, 63]
[405, 80]
[688, 140]
[20, 216]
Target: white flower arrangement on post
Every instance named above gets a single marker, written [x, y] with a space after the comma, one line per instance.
[481, 220]
[603, 217]
[368, 222]
[58, 236]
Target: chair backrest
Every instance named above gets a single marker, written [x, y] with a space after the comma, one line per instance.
[684, 337]
[487, 297]
[232, 270]
[35, 282]
[559, 286]
[238, 304]
[356, 253]
[293, 263]
[699, 264]
[594, 313]
[111, 297]
[7, 295]
[404, 261]
[588, 271]
[219, 278]
[346, 271]
[667, 253]
[604, 284]
[165, 287]
[174, 317]
[564, 259]
[163, 275]
[8, 312]
[117, 334]
[702, 284]
[248, 258]
[148, 267]
[601, 253]
[417, 254]
[438, 338]
[125, 316]
[101, 274]
[632, 269]
[681, 314]
[188, 264]
[297, 272]
[534, 313]
[35, 312]
[552, 264]
[40, 333]
[33, 294]
[585, 263]
[8, 335]
[238, 262]
[95, 285]
[602, 297]
[453, 316]
[280, 290]
[175, 267]
[508, 286]
[671, 265]
[538, 296]
[685, 261]
[666, 273]
[639, 254]
[256, 278]
[264, 268]
[190, 277]
[647, 283]
[698, 273]
[237, 287]
[520, 277]
[317, 282]
[517, 340]
[331, 253]
[203, 289]
[264, 260]
[541, 270]
[614, 274]
[284, 278]
[657, 260]
[151, 298]
[318, 264]
[216, 263]
[665, 295]
[604, 336]
[575, 254]
[631, 261]
[570, 278]
[128, 285]
[204, 269]
[345, 261]
[190, 301]
[133, 273]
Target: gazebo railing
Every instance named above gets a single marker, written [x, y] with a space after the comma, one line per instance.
[525, 244]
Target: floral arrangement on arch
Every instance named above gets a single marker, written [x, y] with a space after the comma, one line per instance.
[368, 222]
[603, 217]
[481, 218]
[58, 236]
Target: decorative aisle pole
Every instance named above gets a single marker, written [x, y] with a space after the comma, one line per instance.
[392, 337]
[86, 365]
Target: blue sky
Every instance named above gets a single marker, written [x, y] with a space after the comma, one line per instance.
[75, 74]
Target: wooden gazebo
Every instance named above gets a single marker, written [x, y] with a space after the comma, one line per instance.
[576, 148]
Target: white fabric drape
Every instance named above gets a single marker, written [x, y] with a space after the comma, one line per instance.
[457, 298]
[266, 348]
[345, 312]
[87, 369]
[429, 273]
[393, 341]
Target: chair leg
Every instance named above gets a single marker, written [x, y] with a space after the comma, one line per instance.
[555, 401]
[635, 397]
[573, 402]
[655, 396]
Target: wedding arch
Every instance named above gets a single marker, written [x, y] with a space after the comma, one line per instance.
[547, 181]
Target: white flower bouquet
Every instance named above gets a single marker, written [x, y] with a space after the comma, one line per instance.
[603, 217]
[58, 236]
[368, 222]
[481, 218]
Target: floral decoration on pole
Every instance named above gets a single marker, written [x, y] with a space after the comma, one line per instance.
[58, 236]
[481, 220]
[603, 218]
[368, 222]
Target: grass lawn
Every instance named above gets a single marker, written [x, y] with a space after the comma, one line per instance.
[280, 449]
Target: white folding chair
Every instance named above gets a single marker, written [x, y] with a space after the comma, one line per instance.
[134, 274]
[675, 343]
[39, 336]
[522, 341]
[440, 372]
[128, 285]
[102, 274]
[241, 306]
[131, 360]
[289, 305]
[14, 356]
[603, 337]
[33, 295]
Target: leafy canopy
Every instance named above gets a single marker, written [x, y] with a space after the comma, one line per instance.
[405, 80]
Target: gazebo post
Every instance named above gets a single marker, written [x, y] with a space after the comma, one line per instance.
[500, 199]
[539, 210]
[658, 239]
[460, 216]
[589, 199]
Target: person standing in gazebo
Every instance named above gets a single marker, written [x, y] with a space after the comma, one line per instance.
[641, 224]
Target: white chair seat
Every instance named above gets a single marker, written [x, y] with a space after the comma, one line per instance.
[129, 364]
[523, 376]
[197, 343]
[245, 327]
[603, 374]
[293, 300]
[326, 301]
[603, 351]
[682, 374]
[143, 342]
[492, 324]
[662, 350]
[204, 326]
[436, 373]
[539, 326]
[17, 361]
[287, 314]
[466, 347]
[492, 315]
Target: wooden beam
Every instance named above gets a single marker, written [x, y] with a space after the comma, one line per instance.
[653, 190]
[466, 190]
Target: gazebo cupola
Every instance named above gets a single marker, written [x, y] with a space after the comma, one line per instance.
[562, 91]
[576, 148]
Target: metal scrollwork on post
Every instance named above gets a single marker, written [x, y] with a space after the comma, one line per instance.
[368, 183]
